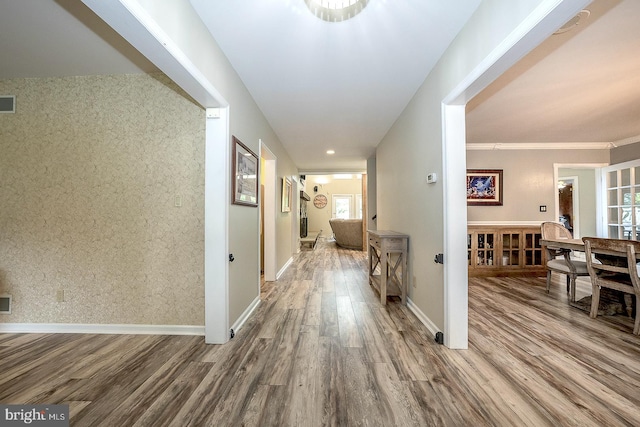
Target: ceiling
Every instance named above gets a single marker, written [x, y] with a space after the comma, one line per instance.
[581, 86]
[333, 85]
[342, 85]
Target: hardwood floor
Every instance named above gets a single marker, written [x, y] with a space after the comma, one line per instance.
[321, 350]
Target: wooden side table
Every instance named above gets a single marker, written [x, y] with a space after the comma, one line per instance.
[389, 250]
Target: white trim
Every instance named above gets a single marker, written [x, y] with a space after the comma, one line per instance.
[603, 227]
[456, 283]
[270, 207]
[132, 21]
[237, 325]
[77, 328]
[541, 23]
[216, 226]
[627, 141]
[575, 202]
[342, 196]
[596, 167]
[295, 215]
[490, 146]
[423, 318]
[284, 268]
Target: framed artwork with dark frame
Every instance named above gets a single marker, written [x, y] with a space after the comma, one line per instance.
[286, 194]
[484, 187]
[244, 174]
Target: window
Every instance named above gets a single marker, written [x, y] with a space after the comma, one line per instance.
[359, 206]
[342, 205]
[622, 200]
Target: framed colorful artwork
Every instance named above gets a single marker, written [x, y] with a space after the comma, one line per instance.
[484, 187]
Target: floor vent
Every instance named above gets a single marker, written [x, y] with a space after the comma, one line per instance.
[5, 304]
[7, 104]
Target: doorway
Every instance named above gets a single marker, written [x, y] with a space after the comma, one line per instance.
[268, 213]
[568, 206]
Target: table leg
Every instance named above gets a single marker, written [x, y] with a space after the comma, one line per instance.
[383, 277]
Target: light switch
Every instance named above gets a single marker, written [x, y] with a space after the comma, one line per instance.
[177, 201]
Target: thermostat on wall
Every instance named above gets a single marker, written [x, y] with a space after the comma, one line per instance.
[431, 178]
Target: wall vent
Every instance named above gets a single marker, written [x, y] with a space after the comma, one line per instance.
[5, 304]
[7, 104]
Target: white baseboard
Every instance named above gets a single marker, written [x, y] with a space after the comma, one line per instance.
[423, 317]
[284, 268]
[244, 316]
[70, 328]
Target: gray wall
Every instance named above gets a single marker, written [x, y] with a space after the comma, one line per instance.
[625, 153]
[413, 148]
[528, 181]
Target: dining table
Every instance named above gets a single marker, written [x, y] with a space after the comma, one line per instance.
[569, 245]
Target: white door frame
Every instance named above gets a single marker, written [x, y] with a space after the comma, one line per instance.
[216, 226]
[132, 21]
[575, 203]
[556, 177]
[539, 25]
[269, 200]
[295, 214]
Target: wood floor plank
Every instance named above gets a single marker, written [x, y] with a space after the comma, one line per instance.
[350, 335]
[320, 350]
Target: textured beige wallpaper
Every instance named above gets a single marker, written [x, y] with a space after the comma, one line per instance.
[90, 168]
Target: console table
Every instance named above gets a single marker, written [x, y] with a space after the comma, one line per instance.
[388, 249]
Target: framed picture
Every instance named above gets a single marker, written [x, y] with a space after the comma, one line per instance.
[484, 187]
[286, 194]
[244, 175]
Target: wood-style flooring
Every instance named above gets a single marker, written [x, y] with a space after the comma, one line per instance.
[321, 350]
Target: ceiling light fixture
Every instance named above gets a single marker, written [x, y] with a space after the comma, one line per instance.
[331, 152]
[336, 10]
[573, 22]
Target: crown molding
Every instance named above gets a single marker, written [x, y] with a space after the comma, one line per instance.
[626, 141]
[541, 146]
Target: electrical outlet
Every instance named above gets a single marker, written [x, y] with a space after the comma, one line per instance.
[60, 295]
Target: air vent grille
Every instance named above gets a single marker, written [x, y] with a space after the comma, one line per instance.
[5, 304]
[7, 104]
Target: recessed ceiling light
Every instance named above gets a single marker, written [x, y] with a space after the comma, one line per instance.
[573, 22]
[331, 152]
[336, 10]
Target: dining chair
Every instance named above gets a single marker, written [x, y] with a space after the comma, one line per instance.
[617, 270]
[559, 259]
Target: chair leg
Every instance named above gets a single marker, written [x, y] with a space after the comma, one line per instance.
[636, 327]
[595, 301]
[568, 283]
[572, 288]
[548, 280]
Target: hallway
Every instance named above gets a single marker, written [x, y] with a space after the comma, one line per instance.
[321, 350]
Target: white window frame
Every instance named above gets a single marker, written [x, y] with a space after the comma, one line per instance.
[613, 201]
[341, 196]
